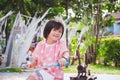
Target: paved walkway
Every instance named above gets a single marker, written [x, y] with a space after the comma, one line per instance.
[23, 76]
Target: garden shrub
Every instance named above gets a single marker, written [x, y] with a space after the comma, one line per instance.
[109, 50]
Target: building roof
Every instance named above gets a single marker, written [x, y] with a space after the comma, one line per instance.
[117, 17]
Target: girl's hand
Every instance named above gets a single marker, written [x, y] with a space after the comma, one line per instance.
[65, 58]
[32, 64]
[62, 62]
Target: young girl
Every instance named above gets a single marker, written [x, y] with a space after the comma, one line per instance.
[51, 50]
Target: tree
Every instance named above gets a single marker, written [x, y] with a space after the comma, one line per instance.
[90, 13]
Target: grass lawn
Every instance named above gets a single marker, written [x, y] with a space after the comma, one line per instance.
[95, 69]
[11, 70]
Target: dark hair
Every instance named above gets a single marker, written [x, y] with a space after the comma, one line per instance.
[50, 25]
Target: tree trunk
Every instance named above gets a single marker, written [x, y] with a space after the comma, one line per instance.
[66, 8]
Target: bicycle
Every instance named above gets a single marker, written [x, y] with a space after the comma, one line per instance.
[42, 73]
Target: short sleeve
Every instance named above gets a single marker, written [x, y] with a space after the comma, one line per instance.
[36, 51]
[63, 48]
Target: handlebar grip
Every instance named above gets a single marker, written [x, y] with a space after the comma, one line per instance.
[67, 64]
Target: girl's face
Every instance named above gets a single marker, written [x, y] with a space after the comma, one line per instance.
[54, 35]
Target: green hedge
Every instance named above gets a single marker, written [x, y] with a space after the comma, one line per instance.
[109, 51]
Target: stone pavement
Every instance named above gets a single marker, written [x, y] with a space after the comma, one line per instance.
[23, 76]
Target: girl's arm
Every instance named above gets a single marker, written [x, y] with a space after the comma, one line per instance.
[64, 54]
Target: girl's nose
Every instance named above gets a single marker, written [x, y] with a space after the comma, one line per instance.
[57, 32]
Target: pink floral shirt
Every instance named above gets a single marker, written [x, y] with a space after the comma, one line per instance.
[46, 54]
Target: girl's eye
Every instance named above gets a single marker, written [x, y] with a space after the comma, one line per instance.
[60, 31]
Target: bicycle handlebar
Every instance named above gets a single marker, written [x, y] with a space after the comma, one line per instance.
[58, 64]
